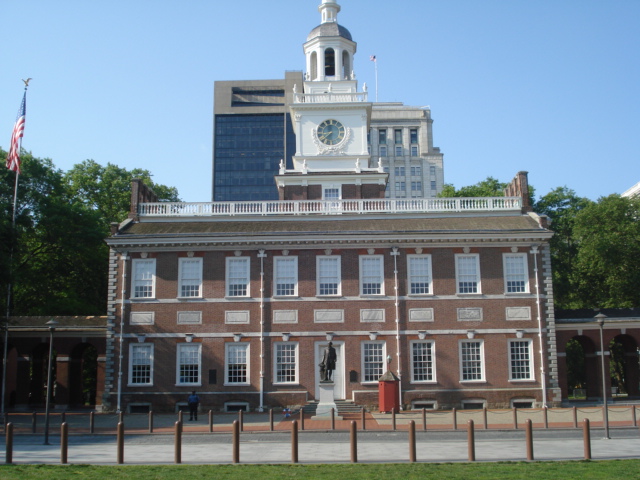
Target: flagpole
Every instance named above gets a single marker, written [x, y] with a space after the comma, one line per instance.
[374, 59]
[13, 235]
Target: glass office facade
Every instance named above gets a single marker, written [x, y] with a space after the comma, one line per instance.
[247, 154]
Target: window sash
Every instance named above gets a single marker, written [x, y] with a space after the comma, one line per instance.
[188, 364]
[382, 137]
[467, 273]
[371, 276]
[286, 276]
[471, 361]
[328, 280]
[397, 136]
[422, 361]
[520, 360]
[141, 364]
[373, 361]
[286, 363]
[238, 277]
[413, 134]
[419, 274]
[399, 151]
[144, 272]
[190, 277]
[515, 273]
[237, 367]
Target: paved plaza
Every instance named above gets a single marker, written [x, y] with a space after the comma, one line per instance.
[203, 443]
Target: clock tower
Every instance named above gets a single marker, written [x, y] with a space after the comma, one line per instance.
[331, 120]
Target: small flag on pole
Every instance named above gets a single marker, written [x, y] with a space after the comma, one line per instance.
[13, 158]
[372, 58]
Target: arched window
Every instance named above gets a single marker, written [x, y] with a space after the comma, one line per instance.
[329, 62]
[346, 66]
[314, 66]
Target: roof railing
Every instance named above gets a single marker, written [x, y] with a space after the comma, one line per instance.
[330, 207]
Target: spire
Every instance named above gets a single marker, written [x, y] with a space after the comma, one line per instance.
[329, 10]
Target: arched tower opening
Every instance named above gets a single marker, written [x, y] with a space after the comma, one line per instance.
[347, 68]
[329, 62]
[314, 66]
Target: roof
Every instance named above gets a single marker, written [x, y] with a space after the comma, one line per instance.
[329, 30]
[64, 322]
[590, 313]
[334, 228]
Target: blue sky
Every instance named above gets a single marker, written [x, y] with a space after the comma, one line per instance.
[547, 86]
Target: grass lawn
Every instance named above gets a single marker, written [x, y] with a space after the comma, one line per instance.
[584, 470]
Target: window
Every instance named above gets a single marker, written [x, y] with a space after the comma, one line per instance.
[416, 171]
[372, 361]
[141, 364]
[285, 275]
[398, 151]
[190, 274]
[383, 150]
[238, 276]
[399, 171]
[515, 273]
[468, 273]
[432, 170]
[419, 267]
[520, 360]
[331, 193]
[371, 275]
[401, 187]
[286, 363]
[237, 368]
[397, 135]
[413, 134]
[471, 360]
[189, 363]
[422, 361]
[328, 275]
[144, 275]
[414, 150]
[433, 185]
[382, 137]
[416, 189]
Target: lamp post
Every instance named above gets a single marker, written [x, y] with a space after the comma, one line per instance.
[605, 409]
[52, 326]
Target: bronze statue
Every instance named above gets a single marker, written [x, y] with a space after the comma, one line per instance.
[328, 364]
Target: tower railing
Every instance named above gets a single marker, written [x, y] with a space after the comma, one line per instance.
[330, 97]
[330, 207]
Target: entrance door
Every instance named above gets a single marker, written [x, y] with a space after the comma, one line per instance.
[338, 373]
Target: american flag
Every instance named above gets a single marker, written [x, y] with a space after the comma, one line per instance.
[13, 158]
[372, 58]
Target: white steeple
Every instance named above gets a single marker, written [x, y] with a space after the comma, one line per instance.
[329, 10]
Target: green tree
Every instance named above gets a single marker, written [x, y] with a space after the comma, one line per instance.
[576, 371]
[490, 187]
[562, 205]
[606, 270]
[617, 363]
[107, 190]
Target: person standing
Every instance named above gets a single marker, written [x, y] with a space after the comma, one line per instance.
[193, 402]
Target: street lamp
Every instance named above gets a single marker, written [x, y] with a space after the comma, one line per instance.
[52, 326]
[600, 319]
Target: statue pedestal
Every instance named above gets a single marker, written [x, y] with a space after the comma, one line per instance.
[326, 403]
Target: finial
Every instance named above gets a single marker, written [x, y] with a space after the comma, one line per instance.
[26, 82]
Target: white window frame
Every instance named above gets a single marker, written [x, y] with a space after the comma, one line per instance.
[246, 277]
[414, 150]
[513, 360]
[320, 276]
[277, 361]
[197, 347]
[368, 378]
[189, 282]
[380, 276]
[464, 363]
[415, 365]
[383, 150]
[140, 276]
[509, 276]
[399, 151]
[411, 274]
[467, 277]
[230, 346]
[132, 364]
[280, 277]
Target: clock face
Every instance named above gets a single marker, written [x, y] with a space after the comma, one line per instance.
[331, 132]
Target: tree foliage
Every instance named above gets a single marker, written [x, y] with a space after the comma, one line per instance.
[490, 187]
[55, 258]
[606, 271]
